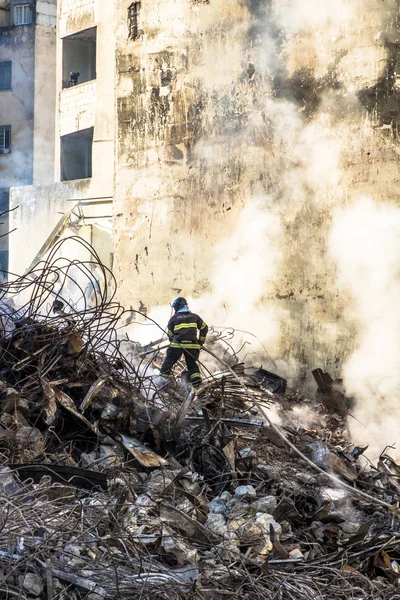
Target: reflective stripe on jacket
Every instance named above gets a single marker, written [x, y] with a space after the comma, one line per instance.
[182, 330]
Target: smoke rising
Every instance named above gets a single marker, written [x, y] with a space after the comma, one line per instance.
[317, 56]
[289, 117]
[365, 242]
[243, 273]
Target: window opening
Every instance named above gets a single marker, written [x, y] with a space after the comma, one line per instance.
[22, 14]
[79, 57]
[5, 139]
[5, 75]
[76, 155]
[133, 21]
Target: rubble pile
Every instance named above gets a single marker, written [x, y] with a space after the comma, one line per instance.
[113, 488]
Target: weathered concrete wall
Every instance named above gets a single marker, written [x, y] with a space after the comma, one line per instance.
[76, 15]
[40, 209]
[4, 15]
[16, 105]
[291, 106]
[29, 107]
[45, 92]
[90, 104]
[77, 107]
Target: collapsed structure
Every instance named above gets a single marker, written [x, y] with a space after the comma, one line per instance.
[112, 488]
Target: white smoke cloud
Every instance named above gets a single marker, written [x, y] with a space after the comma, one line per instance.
[365, 242]
[243, 273]
[295, 15]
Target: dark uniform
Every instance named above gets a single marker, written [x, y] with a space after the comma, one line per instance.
[182, 332]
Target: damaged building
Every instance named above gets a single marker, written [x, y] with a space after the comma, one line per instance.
[244, 154]
[78, 199]
[182, 125]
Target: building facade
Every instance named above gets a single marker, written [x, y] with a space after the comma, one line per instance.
[83, 141]
[27, 98]
[223, 136]
[244, 126]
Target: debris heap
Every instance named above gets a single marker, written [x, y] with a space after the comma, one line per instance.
[113, 488]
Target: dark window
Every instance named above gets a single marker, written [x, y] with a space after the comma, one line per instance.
[5, 75]
[133, 21]
[5, 139]
[76, 155]
[79, 57]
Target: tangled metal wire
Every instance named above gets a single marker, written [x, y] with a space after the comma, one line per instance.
[60, 335]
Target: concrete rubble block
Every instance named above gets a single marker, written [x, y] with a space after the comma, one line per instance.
[238, 508]
[338, 497]
[88, 460]
[235, 524]
[269, 472]
[217, 524]
[29, 442]
[266, 521]
[250, 533]
[109, 457]
[8, 483]
[296, 553]
[245, 491]
[71, 555]
[33, 584]
[306, 478]
[177, 521]
[225, 496]
[216, 506]
[266, 504]
[159, 481]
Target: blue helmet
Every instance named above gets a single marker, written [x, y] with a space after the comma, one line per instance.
[179, 303]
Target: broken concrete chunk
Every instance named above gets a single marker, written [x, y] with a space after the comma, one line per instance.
[33, 584]
[8, 483]
[306, 478]
[88, 460]
[296, 553]
[245, 491]
[225, 496]
[30, 442]
[266, 504]
[320, 453]
[109, 457]
[250, 533]
[217, 523]
[267, 521]
[177, 521]
[216, 506]
[269, 472]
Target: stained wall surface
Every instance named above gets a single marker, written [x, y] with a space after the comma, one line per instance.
[17, 44]
[243, 125]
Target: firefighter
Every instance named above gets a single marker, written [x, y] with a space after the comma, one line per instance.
[182, 333]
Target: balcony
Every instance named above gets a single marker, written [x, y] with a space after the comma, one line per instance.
[77, 108]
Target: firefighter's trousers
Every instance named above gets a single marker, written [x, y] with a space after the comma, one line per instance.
[191, 357]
